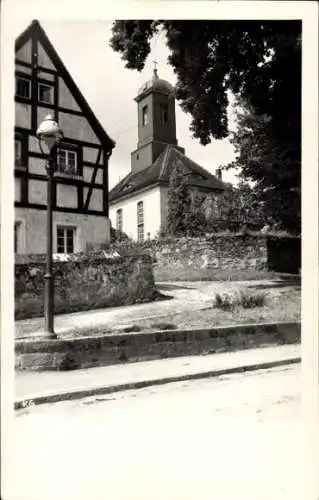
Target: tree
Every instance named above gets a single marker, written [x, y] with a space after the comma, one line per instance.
[195, 220]
[271, 165]
[258, 61]
[179, 203]
[238, 209]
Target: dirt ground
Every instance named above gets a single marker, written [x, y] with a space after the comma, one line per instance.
[187, 305]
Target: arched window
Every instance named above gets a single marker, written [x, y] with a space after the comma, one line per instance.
[163, 113]
[145, 116]
[140, 221]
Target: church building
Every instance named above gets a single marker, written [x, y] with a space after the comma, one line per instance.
[138, 204]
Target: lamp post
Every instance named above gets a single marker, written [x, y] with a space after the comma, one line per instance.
[49, 133]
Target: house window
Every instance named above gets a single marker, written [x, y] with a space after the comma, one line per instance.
[67, 161]
[145, 115]
[119, 219]
[23, 87]
[163, 113]
[65, 239]
[45, 93]
[140, 221]
[18, 151]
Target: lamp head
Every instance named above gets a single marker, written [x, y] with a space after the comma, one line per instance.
[49, 132]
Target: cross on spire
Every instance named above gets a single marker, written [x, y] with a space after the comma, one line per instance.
[155, 67]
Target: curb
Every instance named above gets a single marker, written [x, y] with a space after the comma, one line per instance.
[107, 350]
[94, 391]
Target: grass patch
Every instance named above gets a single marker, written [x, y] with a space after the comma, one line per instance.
[244, 298]
[279, 305]
[189, 274]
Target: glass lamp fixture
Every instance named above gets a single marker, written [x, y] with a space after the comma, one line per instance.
[49, 133]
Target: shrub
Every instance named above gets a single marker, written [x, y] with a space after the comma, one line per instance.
[225, 301]
[245, 299]
[249, 300]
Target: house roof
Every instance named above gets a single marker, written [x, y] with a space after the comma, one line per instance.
[36, 30]
[159, 172]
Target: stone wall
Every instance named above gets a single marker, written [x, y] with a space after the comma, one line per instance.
[84, 282]
[200, 258]
[105, 350]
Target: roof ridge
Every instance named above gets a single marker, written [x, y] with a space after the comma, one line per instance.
[167, 150]
[201, 169]
[121, 182]
[35, 27]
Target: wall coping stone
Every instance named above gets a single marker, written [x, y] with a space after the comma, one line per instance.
[60, 345]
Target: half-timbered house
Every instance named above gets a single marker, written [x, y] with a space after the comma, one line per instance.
[80, 189]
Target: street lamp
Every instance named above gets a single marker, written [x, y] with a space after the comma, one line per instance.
[49, 134]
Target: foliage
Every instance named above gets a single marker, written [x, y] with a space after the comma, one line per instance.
[245, 299]
[179, 202]
[260, 63]
[259, 60]
[195, 220]
[271, 165]
[118, 236]
[237, 209]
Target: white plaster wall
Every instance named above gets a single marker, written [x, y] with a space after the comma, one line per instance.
[77, 127]
[96, 201]
[46, 76]
[24, 53]
[91, 154]
[152, 213]
[24, 69]
[43, 58]
[34, 144]
[22, 115]
[66, 195]
[88, 172]
[66, 99]
[37, 166]
[17, 189]
[89, 229]
[37, 192]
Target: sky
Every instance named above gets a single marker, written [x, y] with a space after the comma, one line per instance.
[110, 90]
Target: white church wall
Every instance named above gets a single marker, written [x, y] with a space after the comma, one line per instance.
[151, 199]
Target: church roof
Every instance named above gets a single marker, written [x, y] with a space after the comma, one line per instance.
[155, 84]
[159, 173]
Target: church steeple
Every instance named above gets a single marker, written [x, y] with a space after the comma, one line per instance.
[156, 121]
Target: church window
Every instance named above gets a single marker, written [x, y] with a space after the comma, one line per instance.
[119, 220]
[140, 221]
[145, 115]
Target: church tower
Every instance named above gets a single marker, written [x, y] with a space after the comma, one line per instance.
[156, 122]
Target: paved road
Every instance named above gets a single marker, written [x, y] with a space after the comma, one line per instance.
[235, 437]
